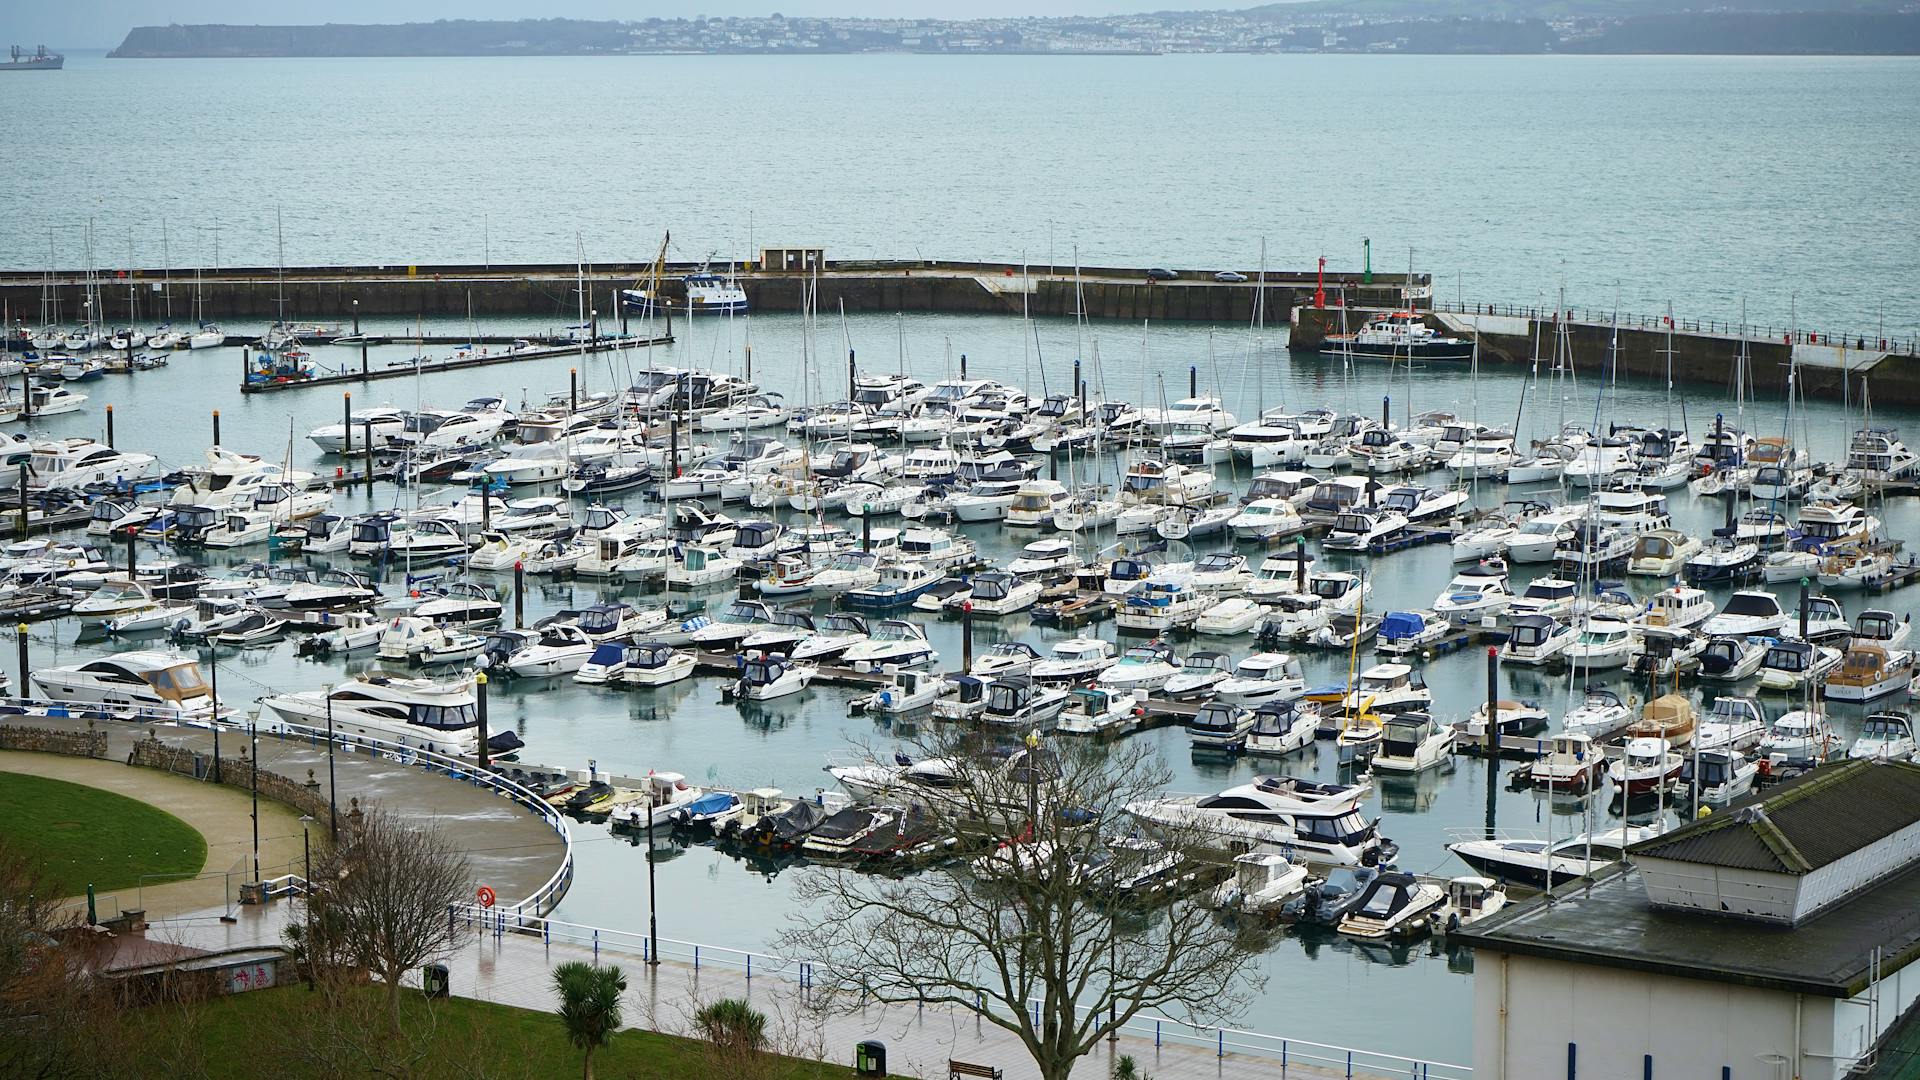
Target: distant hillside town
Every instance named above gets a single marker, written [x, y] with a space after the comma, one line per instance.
[1418, 26]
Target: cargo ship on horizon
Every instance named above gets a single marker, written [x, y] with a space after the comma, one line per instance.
[38, 60]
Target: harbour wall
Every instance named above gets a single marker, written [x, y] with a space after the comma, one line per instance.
[1834, 367]
[551, 292]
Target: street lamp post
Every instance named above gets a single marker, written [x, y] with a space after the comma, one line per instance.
[213, 668]
[333, 792]
[253, 736]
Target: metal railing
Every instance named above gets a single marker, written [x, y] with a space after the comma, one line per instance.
[803, 974]
[1756, 332]
[535, 904]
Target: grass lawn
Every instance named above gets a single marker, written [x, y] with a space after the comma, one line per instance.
[87, 835]
[229, 1035]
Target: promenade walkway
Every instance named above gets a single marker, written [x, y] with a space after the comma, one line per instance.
[222, 815]
[511, 851]
[516, 969]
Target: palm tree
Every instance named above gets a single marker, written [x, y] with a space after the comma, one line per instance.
[589, 1005]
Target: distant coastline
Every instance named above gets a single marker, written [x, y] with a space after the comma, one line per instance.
[1294, 28]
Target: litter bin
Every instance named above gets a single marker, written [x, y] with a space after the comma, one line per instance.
[870, 1058]
[434, 981]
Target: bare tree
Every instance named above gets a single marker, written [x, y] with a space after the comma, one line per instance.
[383, 895]
[53, 1017]
[1057, 923]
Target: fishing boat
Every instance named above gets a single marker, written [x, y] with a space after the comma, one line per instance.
[1398, 335]
[1649, 765]
[1572, 763]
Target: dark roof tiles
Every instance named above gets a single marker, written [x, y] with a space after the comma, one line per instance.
[1801, 825]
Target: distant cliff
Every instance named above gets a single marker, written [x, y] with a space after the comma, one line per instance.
[448, 37]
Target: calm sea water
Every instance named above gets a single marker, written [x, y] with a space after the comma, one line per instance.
[1786, 183]
[1413, 1002]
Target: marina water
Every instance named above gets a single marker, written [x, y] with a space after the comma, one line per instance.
[1410, 1000]
[1786, 184]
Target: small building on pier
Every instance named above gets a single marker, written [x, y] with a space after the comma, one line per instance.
[1770, 940]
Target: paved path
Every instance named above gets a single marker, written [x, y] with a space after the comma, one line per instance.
[510, 849]
[515, 969]
[221, 814]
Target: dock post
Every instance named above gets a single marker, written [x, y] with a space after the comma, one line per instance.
[480, 703]
[486, 507]
[1193, 380]
[1300, 564]
[593, 325]
[1492, 747]
[346, 423]
[673, 442]
[23, 515]
[367, 442]
[26, 394]
[133, 533]
[1804, 582]
[1386, 412]
[966, 637]
[573, 390]
[866, 531]
[850, 371]
[216, 427]
[246, 369]
[748, 350]
[519, 593]
[1077, 389]
[109, 427]
[622, 309]
[963, 365]
[20, 647]
[356, 318]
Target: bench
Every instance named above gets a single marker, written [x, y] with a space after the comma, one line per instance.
[958, 1069]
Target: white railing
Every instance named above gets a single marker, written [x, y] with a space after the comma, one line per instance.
[535, 904]
[1346, 1060]
[49, 708]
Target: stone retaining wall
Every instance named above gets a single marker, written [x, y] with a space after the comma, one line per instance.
[87, 744]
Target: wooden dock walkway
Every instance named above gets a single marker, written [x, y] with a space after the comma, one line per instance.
[347, 377]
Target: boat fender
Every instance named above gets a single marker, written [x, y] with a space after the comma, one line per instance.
[1453, 922]
[886, 699]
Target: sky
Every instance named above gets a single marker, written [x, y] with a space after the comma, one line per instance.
[100, 24]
